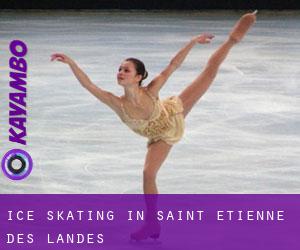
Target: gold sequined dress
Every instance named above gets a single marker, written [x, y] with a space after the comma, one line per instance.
[165, 123]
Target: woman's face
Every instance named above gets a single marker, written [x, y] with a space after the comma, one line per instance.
[127, 74]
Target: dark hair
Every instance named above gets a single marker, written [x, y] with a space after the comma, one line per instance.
[139, 67]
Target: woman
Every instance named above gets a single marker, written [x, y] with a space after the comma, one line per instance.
[140, 108]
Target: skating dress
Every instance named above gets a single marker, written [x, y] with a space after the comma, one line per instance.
[165, 123]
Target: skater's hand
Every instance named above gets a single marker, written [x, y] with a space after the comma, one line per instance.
[61, 58]
[203, 38]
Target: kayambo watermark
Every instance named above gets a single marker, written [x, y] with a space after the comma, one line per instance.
[17, 163]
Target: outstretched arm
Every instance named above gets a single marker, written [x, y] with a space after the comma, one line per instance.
[157, 83]
[104, 96]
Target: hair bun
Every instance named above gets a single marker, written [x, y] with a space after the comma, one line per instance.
[145, 75]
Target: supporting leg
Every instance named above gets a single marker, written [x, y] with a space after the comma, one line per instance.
[157, 153]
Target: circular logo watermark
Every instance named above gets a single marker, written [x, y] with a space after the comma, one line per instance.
[16, 164]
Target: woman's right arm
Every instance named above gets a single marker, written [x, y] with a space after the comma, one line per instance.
[157, 83]
[106, 97]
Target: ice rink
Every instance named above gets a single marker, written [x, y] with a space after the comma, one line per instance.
[242, 137]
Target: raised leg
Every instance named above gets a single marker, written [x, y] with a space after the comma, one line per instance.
[198, 87]
[192, 93]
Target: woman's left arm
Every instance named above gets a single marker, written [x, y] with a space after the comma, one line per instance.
[156, 84]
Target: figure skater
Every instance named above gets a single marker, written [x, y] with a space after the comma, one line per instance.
[161, 121]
